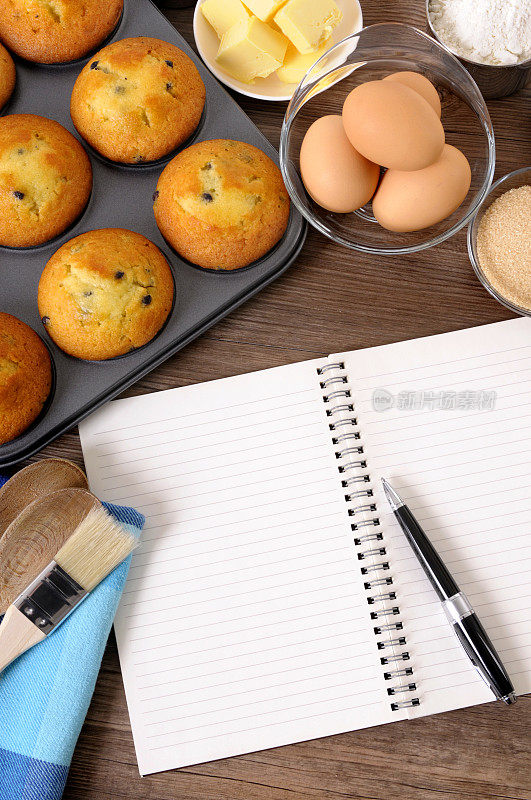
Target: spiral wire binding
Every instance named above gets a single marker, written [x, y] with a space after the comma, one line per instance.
[386, 618]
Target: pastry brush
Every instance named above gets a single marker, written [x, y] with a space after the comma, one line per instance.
[96, 546]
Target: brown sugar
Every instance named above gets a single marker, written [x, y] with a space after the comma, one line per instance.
[504, 245]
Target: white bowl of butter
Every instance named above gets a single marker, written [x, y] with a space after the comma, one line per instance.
[240, 39]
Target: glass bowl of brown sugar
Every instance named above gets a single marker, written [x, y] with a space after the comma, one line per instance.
[499, 241]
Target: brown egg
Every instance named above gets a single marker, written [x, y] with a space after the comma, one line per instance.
[419, 84]
[392, 125]
[335, 175]
[409, 201]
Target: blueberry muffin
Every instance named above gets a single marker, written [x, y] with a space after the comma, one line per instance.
[105, 293]
[7, 76]
[137, 100]
[25, 377]
[221, 204]
[59, 30]
[45, 180]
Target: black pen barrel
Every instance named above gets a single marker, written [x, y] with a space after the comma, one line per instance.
[483, 655]
[442, 581]
[466, 625]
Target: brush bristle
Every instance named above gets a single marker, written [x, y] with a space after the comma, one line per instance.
[96, 547]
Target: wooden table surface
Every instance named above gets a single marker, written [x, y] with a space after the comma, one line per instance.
[331, 300]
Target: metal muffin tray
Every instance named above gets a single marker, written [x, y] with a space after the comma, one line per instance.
[122, 197]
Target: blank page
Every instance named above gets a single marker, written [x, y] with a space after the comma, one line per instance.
[244, 623]
[446, 419]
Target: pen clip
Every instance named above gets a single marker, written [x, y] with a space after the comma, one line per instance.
[483, 678]
[471, 655]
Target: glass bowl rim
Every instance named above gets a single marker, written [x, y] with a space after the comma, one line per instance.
[482, 278]
[485, 121]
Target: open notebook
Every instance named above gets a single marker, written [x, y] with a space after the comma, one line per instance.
[274, 598]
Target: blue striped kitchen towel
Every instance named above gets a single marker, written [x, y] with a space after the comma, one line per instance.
[45, 694]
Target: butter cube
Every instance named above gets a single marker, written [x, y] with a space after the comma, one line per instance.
[223, 14]
[264, 9]
[296, 65]
[308, 23]
[251, 49]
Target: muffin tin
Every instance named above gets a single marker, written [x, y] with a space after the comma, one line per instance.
[122, 197]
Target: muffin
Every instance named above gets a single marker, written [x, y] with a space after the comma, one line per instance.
[7, 76]
[56, 32]
[105, 293]
[25, 377]
[137, 100]
[221, 204]
[45, 180]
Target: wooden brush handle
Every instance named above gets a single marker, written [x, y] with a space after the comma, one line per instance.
[17, 634]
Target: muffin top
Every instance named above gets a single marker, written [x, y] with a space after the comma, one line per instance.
[59, 30]
[7, 76]
[137, 100]
[25, 376]
[45, 179]
[222, 204]
[105, 293]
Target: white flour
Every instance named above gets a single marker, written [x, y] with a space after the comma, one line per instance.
[488, 31]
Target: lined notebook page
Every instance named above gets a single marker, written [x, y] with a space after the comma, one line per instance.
[461, 460]
[244, 623]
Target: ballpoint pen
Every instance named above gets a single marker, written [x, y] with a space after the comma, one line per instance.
[460, 613]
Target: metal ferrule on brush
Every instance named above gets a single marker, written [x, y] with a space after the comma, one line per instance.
[50, 598]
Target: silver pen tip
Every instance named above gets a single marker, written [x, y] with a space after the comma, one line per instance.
[509, 698]
[392, 497]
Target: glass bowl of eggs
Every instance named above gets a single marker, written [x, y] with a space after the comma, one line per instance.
[387, 145]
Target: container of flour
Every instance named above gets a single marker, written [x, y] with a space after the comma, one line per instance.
[494, 79]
